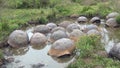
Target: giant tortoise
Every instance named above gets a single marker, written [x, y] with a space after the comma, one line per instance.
[42, 29]
[111, 22]
[18, 38]
[82, 19]
[62, 47]
[64, 24]
[58, 35]
[38, 39]
[51, 25]
[112, 15]
[115, 51]
[75, 34]
[71, 27]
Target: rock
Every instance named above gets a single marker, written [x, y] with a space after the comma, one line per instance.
[62, 47]
[3, 66]
[51, 25]
[39, 65]
[95, 20]
[22, 66]
[111, 22]
[10, 59]
[18, 38]
[38, 39]
[71, 27]
[82, 19]
[64, 24]
[42, 29]
[112, 15]
[75, 34]
[17, 61]
[58, 35]
[86, 28]
[57, 28]
[115, 51]
[93, 32]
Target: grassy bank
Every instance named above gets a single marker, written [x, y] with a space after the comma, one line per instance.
[13, 18]
[92, 54]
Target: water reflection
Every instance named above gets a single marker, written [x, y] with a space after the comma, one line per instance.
[64, 59]
[19, 51]
[38, 47]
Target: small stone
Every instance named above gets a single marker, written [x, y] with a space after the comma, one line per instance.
[39, 65]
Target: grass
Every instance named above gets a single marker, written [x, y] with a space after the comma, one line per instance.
[11, 19]
[89, 57]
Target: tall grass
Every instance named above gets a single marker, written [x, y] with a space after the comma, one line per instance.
[89, 57]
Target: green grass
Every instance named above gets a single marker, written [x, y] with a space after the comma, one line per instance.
[16, 13]
[89, 54]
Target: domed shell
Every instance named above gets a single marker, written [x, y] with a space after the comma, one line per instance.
[18, 38]
[86, 28]
[115, 51]
[58, 28]
[75, 34]
[42, 29]
[58, 35]
[38, 39]
[95, 20]
[64, 24]
[93, 32]
[71, 27]
[62, 47]
[51, 25]
[111, 22]
[112, 15]
[82, 19]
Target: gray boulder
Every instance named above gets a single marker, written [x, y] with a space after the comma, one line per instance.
[18, 38]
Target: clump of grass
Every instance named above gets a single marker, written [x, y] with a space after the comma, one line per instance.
[5, 26]
[89, 58]
[118, 19]
[1, 54]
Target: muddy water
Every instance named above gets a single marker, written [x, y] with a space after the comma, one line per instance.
[30, 56]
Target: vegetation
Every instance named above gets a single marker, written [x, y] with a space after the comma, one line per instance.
[15, 13]
[118, 19]
[92, 54]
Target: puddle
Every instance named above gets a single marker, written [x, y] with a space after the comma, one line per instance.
[27, 56]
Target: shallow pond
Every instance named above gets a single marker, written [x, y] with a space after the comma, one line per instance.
[30, 57]
[37, 57]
